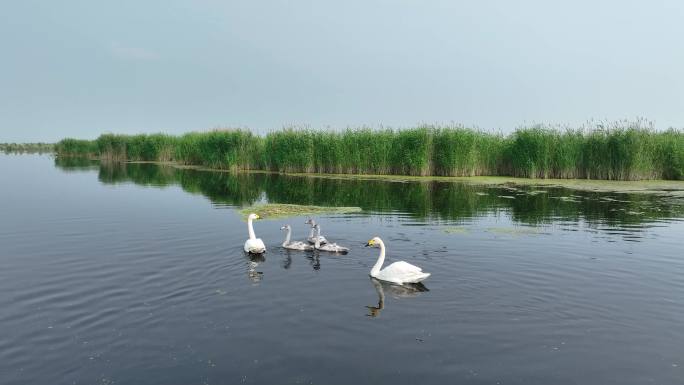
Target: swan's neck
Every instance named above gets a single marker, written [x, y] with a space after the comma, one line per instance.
[250, 229]
[287, 237]
[381, 259]
[311, 233]
[318, 232]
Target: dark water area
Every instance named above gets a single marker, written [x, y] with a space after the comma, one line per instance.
[135, 274]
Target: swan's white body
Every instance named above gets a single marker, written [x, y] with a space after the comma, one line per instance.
[312, 236]
[296, 245]
[398, 272]
[331, 247]
[253, 245]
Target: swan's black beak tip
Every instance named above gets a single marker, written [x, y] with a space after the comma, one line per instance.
[367, 245]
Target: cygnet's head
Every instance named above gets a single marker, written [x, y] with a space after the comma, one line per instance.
[311, 222]
[286, 227]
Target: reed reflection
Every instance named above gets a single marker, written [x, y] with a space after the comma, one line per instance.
[453, 201]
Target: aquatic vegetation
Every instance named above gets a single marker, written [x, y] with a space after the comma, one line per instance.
[456, 230]
[515, 231]
[626, 150]
[77, 147]
[26, 148]
[279, 210]
[506, 196]
[220, 149]
[459, 151]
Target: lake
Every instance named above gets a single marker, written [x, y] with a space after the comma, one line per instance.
[135, 274]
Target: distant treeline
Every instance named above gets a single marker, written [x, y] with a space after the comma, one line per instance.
[26, 148]
[621, 151]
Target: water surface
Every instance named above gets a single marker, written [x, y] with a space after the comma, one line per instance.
[134, 274]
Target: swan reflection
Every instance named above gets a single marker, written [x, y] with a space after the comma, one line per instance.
[313, 258]
[253, 261]
[396, 291]
[287, 262]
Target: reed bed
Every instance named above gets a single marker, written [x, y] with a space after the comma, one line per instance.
[626, 150]
[26, 148]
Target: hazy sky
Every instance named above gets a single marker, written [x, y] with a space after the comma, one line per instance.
[80, 68]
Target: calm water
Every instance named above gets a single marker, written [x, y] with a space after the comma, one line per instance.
[134, 274]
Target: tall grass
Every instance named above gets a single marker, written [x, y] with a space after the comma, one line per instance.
[459, 151]
[26, 148]
[223, 149]
[621, 151]
[80, 147]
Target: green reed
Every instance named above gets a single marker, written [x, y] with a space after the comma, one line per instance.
[26, 148]
[626, 150]
[459, 151]
[222, 149]
[78, 147]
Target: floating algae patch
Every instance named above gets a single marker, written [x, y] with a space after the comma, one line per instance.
[659, 187]
[506, 196]
[514, 230]
[277, 210]
[456, 230]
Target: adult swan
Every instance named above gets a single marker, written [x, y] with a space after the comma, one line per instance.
[399, 272]
[253, 245]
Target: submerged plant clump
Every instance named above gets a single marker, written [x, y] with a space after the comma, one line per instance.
[626, 150]
[279, 210]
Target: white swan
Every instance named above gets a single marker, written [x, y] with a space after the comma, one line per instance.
[399, 272]
[312, 237]
[253, 245]
[296, 245]
[331, 247]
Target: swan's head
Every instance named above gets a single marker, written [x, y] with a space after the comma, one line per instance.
[286, 227]
[311, 222]
[253, 216]
[374, 242]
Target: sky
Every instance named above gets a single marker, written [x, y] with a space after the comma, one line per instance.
[81, 68]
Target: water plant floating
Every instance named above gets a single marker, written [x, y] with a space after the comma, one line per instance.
[279, 210]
